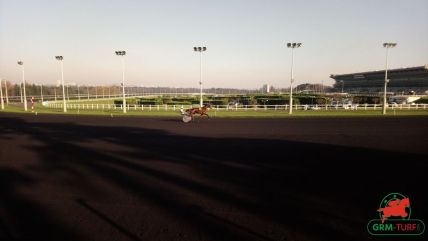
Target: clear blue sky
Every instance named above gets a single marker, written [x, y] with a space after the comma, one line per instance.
[246, 40]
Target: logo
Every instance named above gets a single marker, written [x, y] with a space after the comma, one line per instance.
[394, 218]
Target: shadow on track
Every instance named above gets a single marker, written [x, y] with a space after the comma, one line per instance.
[214, 188]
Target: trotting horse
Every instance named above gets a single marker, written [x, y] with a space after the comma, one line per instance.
[199, 110]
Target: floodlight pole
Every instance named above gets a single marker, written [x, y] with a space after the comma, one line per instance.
[123, 83]
[387, 46]
[23, 83]
[68, 95]
[200, 80]
[1, 94]
[122, 54]
[291, 82]
[200, 50]
[292, 46]
[20, 91]
[41, 92]
[64, 103]
[7, 96]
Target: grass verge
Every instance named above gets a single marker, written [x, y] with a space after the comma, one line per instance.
[222, 113]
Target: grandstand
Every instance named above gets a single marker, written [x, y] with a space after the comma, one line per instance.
[412, 80]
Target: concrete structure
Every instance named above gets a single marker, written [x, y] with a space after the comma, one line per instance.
[266, 88]
[401, 81]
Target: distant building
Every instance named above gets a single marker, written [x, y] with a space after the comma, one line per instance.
[404, 80]
[266, 88]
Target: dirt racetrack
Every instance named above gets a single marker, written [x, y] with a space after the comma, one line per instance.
[103, 178]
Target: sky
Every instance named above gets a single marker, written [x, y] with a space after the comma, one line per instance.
[246, 40]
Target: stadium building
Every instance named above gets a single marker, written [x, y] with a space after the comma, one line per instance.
[412, 80]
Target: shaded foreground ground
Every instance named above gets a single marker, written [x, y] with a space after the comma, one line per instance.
[102, 178]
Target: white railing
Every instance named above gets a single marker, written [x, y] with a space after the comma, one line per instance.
[164, 107]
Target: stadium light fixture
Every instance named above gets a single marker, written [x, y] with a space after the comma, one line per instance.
[387, 46]
[200, 50]
[23, 84]
[292, 46]
[64, 103]
[122, 54]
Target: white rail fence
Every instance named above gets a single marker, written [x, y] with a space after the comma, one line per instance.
[165, 107]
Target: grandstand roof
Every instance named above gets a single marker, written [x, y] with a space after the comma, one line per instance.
[402, 79]
[408, 70]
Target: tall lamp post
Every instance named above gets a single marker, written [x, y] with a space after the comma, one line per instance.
[292, 46]
[1, 94]
[122, 54]
[387, 46]
[23, 83]
[5, 88]
[41, 92]
[64, 103]
[20, 91]
[68, 95]
[200, 50]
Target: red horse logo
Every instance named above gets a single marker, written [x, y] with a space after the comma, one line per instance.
[396, 208]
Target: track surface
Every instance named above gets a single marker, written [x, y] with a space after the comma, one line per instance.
[102, 178]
